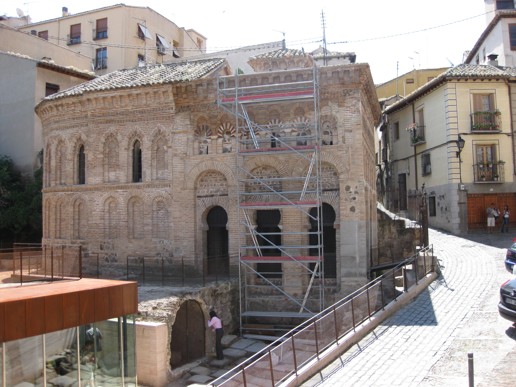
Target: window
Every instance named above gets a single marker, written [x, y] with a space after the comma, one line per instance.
[161, 44]
[426, 165]
[143, 32]
[101, 58]
[396, 130]
[487, 167]
[43, 34]
[75, 34]
[137, 162]
[484, 116]
[410, 80]
[101, 29]
[431, 206]
[50, 89]
[504, 4]
[175, 49]
[81, 166]
[512, 36]
[417, 129]
[141, 60]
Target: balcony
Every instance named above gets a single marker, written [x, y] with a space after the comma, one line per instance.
[485, 121]
[489, 172]
[417, 134]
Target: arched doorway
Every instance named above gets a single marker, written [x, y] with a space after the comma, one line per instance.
[188, 334]
[269, 235]
[217, 242]
[329, 239]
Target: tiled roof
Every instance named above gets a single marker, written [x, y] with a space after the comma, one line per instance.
[478, 71]
[462, 71]
[145, 76]
[281, 53]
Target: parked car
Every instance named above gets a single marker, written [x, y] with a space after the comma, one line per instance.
[510, 257]
[507, 304]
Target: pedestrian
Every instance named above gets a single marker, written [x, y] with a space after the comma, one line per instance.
[505, 219]
[215, 323]
[492, 214]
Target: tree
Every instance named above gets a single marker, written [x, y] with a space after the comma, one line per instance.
[20, 204]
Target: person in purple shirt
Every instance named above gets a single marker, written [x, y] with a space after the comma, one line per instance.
[215, 323]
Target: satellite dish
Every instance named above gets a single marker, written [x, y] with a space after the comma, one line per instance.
[20, 12]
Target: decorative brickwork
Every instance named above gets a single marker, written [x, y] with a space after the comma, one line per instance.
[188, 160]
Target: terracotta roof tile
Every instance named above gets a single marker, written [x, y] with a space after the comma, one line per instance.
[145, 76]
[281, 53]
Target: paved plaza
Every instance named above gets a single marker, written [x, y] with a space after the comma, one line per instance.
[427, 343]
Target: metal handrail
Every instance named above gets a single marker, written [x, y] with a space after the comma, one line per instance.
[286, 344]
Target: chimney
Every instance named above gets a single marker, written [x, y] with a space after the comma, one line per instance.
[492, 59]
[65, 11]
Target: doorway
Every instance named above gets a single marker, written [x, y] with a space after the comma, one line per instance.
[188, 334]
[217, 242]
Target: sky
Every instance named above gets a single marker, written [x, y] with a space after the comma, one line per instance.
[393, 37]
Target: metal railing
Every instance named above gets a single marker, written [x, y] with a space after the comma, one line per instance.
[162, 271]
[305, 343]
[33, 262]
[490, 172]
[483, 121]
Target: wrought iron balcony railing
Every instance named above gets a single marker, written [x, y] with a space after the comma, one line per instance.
[489, 172]
[417, 134]
[485, 121]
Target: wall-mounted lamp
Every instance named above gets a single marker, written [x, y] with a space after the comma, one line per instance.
[460, 145]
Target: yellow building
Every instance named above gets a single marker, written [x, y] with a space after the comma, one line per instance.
[407, 83]
[120, 36]
[451, 141]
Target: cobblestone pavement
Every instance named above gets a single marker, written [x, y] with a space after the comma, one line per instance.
[427, 342]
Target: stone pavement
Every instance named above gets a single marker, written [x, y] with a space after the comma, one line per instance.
[236, 350]
[427, 342]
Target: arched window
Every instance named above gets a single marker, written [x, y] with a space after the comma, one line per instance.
[137, 162]
[81, 166]
[327, 226]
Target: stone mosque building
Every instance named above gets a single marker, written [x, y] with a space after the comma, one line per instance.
[273, 170]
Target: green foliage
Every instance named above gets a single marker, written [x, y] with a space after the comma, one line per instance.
[20, 204]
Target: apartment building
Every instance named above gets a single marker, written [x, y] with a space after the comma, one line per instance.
[451, 143]
[31, 70]
[120, 36]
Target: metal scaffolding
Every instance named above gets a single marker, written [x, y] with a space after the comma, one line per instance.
[279, 199]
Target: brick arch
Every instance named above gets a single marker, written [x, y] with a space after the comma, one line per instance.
[135, 210]
[270, 161]
[111, 217]
[222, 189]
[161, 216]
[60, 218]
[61, 160]
[79, 217]
[203, 166]
[159, 156]
[110, 158]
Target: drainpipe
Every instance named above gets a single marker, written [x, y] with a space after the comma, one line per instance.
[512, 129]
[415, 152]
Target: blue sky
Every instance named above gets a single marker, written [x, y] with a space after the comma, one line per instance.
[392, 36]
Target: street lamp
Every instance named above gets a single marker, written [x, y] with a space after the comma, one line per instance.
[460, 145]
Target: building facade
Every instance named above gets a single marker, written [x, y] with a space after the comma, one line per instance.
[29, 81]
[143, 162]
[452, 142]
[120, 36]
[498, 41]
